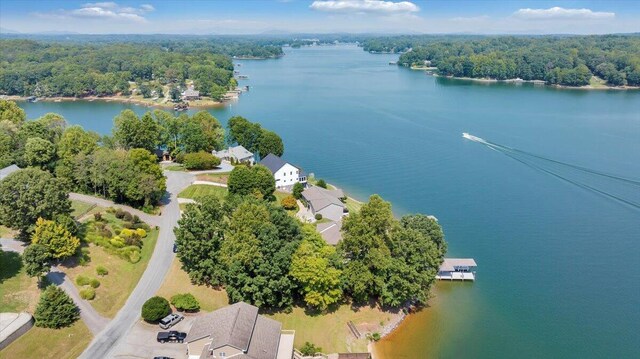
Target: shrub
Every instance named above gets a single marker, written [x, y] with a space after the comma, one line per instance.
[134, 257]
[318, 216]
[135, 219]
[141, 232]
[87, 293]
[200, 161]
[106, 233]
[185, 302]
[119, 213]
[373, 336]
[155, 308]
[102, 271]
[55, 309]
[82, 280]
[297, 190]
[180, 157]
[309, 349]
[127, 217]
[97, 216]
[289, 202]
[117, 242]
[321, 183]
[94, 283]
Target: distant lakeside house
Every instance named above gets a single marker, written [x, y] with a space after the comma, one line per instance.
[237, 154]
[285, 174]
[190, 94]
[238, 331]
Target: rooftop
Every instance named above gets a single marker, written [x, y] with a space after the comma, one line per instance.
[330, 232]
[273, 162]
[238, 152]
[320, 198]
[450, 264]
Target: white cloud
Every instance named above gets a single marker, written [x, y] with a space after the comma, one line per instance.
[102, 10]
[364, 6]
[562, 13]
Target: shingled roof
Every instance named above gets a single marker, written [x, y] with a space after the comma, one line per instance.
[320, 198]
[273, 162]
[238, 326]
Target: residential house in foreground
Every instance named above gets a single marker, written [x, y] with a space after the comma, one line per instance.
[326, 202]
[4, 172]
[285, 174]
[331, 232]
[237, 154]
[238, 331]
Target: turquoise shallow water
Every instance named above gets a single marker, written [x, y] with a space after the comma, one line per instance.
[557, 253]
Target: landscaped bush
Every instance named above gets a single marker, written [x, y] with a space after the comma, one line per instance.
[87, 293]
[94, 283]
[155, 308]
[289, 203]
[119, 213]
[200, 161]
[318, 216]
[180, 157]
[309, 349]
[127, 217]
[321, 183]
[97, 216]
[55, 309]
[102, 271]
[185, 302]
[82, 280]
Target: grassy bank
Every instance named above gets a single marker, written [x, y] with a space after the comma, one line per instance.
[199, 190]
[50, 343]
[18, 291]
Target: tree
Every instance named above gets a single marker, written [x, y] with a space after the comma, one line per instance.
[11, 112]
[155, 308]
[199, 234]
[245, 181]
[200, 161]
[38, 152]
[321, 183]
[55, 309]
[57, 239]
[29, 194]
[185, 302]
[270, 142]
[298, 188]
[313, 267]
[289, 203]
[37, 260]
[133, 132]
[428, 226]
[309, 349]
[211, 128]
[244, 133]
[75, 140]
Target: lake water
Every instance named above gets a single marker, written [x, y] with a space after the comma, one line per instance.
[557, 243]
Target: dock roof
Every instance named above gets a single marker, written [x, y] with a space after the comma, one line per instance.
[449, 264]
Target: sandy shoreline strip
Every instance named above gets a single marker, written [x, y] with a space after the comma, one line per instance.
[120, 99]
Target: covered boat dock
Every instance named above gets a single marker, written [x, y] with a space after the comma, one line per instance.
[457, 269]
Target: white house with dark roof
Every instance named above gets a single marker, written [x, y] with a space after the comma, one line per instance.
[238, 331]
[236, 153]
[325, 202]
[285, 174]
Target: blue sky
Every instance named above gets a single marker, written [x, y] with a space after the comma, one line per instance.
[322, 16]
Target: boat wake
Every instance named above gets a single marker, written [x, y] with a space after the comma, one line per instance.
[543, 164]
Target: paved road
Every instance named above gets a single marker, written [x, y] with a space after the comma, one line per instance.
[94, 321]
[106, 343]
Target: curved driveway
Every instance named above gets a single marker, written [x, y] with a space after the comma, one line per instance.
[105, 344]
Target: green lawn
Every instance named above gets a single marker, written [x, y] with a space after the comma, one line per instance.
[6, 232]
[123, 275]
[353, 206]
[50, 343]
[214, 177]
[200, 190]
[18, 292]
[176, 167]
[80, 208]
[597, 82]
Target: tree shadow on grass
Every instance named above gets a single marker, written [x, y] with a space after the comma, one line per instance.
[10, 265]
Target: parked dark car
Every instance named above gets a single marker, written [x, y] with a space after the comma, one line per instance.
[171, 337]
[162, 358]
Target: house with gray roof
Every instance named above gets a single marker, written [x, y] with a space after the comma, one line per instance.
[238, 331]
[190, 94]
[326, 202]
[4, 172]
[331, 232]
[285, 174]
[237, 154]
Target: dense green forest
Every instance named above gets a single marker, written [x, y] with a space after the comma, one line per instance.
[566, 60]
[104, 67]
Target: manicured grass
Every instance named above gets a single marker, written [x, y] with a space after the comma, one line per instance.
[214, 177]
[353, 206]
[123, 275]
[329, 331]
[176, 167]
[6, 232]
[200, 190]
[18, 292]
[80, 208]
[177, 281]
[597, 82]
[50, 343]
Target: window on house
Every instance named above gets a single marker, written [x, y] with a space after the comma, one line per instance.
[223, 354]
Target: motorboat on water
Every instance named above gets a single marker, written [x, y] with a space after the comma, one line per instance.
[472, 137]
